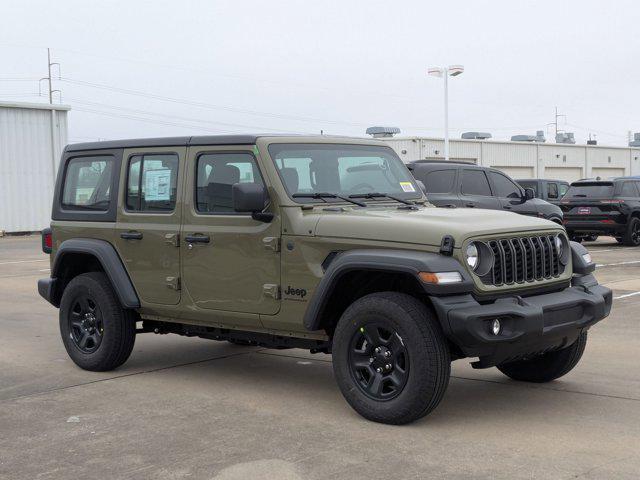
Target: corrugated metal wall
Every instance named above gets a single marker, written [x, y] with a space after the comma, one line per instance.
[527, 160]
[29, 156]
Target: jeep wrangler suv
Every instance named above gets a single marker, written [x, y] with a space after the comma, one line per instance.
[320, 243]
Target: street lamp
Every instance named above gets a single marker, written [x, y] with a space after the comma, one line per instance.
[454, 71]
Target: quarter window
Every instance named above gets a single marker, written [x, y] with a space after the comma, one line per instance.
[87, 183]
[152, 183]
[216, 175]
[474, 182]
[440, 181]
[628, 190]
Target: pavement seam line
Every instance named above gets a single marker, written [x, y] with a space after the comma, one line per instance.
[142, 372]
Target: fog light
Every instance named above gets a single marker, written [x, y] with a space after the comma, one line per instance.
[496, 327]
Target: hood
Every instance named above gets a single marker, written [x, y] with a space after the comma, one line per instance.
[425, 226]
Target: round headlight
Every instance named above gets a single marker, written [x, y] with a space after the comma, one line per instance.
[471, 254]
[559, 245]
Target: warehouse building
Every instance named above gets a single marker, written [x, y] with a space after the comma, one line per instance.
[526, 159]
[32, 136]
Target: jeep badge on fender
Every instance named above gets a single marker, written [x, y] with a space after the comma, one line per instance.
[195, 236]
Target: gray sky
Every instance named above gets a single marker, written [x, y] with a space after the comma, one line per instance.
[255, 66]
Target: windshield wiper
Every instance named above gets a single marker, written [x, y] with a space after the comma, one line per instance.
[324, 196]
[381, 195]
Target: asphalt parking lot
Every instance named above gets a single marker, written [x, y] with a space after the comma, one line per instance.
[190, 408]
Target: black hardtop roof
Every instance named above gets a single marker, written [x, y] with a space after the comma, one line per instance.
[444, 162]
[541, 180]
[244, 139]
[166, 142]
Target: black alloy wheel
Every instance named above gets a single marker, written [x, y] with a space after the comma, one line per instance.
[86, 327]
[378, 361]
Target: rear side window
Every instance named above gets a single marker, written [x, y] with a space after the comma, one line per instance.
[87, 183]
[474, 182]
[440, 181]
[152, 183]
[628, 190]
[216, 175]
[563, 189]
[552, 190]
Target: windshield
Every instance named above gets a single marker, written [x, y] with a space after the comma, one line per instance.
[342, 170]
[590, 190]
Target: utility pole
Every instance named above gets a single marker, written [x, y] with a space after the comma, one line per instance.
[555, 123]
[48, 77]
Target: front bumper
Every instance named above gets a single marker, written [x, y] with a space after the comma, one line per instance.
[530, 325]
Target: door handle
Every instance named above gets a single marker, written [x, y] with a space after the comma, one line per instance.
[197, 239]
[507, 207]
[470, 205]
[131, 235]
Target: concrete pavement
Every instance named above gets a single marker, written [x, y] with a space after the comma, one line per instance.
[190, 408]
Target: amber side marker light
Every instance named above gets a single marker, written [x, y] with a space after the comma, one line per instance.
[440, 278]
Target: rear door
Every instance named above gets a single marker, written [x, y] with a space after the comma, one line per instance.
[440, 185]
[148, 221]
[475, 191]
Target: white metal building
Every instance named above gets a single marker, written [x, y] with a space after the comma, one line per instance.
[32, 136]
[527, 159]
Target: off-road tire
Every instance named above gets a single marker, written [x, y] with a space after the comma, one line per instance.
[118, 324]
[631, 237]
[429, 363]
[546, 367]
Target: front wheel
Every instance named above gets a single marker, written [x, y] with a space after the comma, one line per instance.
[97, 332]
[390, 358]
[546, 367]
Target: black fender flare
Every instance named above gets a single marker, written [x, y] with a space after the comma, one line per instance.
[381, 260]
[106, 254]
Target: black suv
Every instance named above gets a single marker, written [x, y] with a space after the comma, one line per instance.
[603, 207]
[459, 184]
[550, 190]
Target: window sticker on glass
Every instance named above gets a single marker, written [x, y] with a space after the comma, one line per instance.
[407, 187]
[157, 185]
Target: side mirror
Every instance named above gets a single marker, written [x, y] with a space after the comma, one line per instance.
[250, 198]
[529, 194]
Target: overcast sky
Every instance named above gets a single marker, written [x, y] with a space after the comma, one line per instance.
[160, 68]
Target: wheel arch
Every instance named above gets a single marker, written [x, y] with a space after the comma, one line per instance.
[375, 270]
[81, 255]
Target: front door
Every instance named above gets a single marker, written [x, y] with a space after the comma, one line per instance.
[148, 221]
[510, 195]
[231, 262]
[475, 191]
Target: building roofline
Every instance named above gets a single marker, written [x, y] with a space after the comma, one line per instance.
[508, 142]
[35, 106]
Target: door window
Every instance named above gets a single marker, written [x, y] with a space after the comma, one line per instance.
[440, 181]
[563, 189]
[87, 183]
[152, 183]
[474, 182]
[505, 187]
[216, 175]
[552, 190]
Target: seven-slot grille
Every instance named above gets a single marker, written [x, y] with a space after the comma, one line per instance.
[523, 259]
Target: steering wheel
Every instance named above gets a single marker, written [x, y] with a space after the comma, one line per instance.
[363, 185]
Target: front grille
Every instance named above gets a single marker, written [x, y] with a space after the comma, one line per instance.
[523, 259]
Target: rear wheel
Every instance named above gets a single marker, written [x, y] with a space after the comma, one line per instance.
[97, 332]
[546, 367]
[632, 235]
[390, 358]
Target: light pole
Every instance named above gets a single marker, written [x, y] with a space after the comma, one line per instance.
[451, 70]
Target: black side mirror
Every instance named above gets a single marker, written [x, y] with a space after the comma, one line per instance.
[251, 198]
[528, 194]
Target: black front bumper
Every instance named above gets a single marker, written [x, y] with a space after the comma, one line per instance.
[529, 325]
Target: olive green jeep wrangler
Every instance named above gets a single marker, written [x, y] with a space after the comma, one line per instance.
[326, 244]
